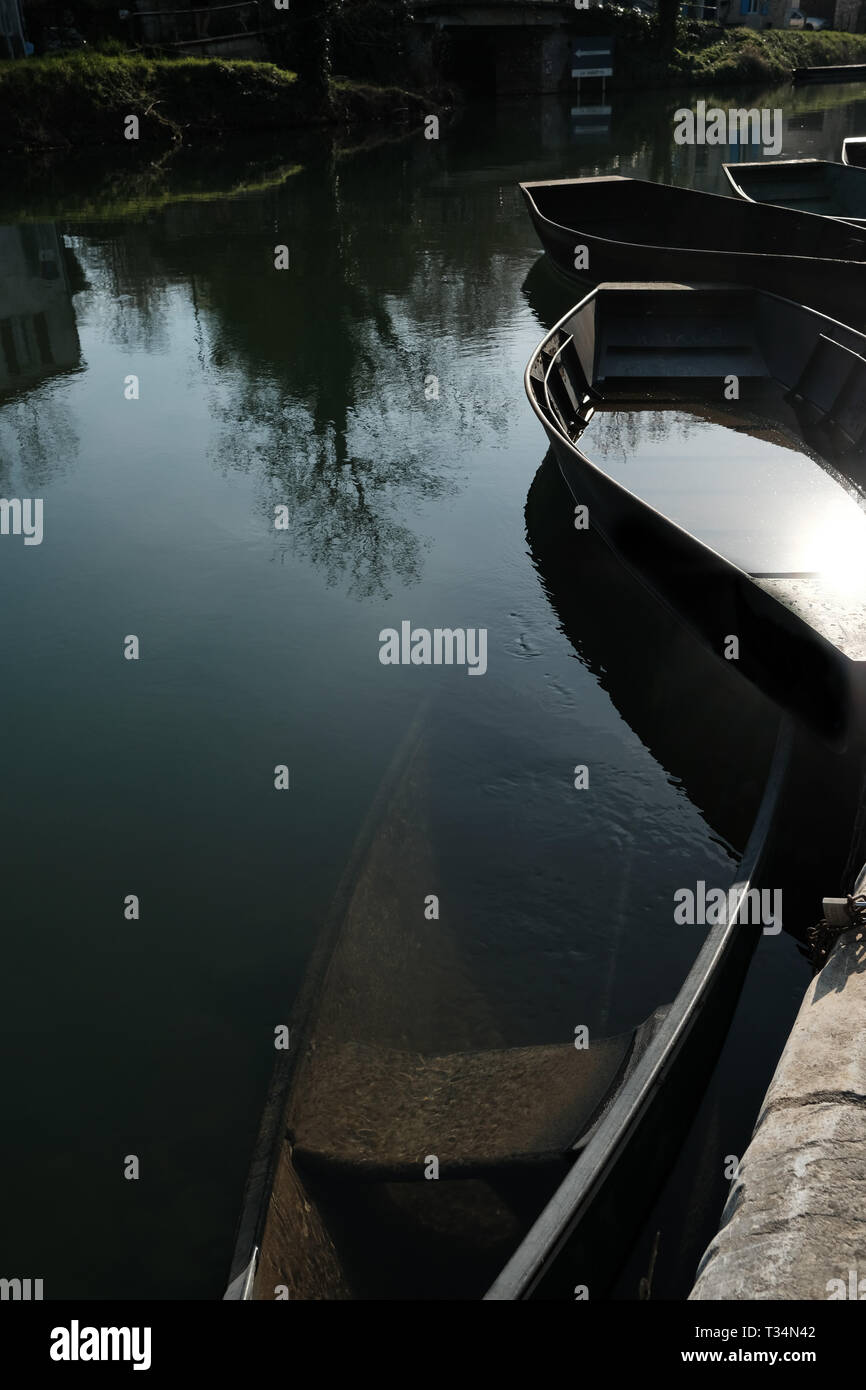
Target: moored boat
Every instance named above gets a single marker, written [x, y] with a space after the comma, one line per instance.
[806, 185]
[615, 228]
[768, 543]
[396, 1060]
[854, 151]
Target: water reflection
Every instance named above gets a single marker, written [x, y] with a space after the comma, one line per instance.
[671, 691]
[309, 387]
[38, 333]
[336, 382]
[39, 344]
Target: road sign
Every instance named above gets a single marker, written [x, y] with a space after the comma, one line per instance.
[585, 47]
[592, 58]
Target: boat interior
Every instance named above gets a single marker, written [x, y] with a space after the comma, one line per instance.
[807, 185]
[682, 341]
[777, 485]
[854, 150]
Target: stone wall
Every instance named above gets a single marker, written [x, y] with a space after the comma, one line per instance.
[794, 1225]
[850, 15]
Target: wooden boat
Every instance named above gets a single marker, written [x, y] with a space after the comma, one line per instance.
[773, 548]
[338, 1203]
[806, 185]
[836, 72]
[854, 151]
[635, 230]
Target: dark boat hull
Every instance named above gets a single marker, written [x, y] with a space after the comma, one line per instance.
[608, 216]
[839, 72]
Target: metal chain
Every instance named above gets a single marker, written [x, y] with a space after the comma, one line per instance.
[823, 936]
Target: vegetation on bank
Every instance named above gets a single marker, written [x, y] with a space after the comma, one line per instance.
[352, 102]
[79, 99]
[745, 56]
[82, 99]
[701, 54]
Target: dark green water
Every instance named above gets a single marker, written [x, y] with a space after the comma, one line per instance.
[311, 387]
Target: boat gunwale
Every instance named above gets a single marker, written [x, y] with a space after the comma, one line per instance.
[555, 1225]
[859, 140]
[785, 257]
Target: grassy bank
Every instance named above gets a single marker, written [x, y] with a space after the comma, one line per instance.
[744, 56]
[84, 99]
[80, 100]
[706, 55]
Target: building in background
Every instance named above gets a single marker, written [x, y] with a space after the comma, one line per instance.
[13, 44]
[847, 15]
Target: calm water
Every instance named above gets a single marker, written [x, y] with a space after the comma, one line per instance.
[374, 389]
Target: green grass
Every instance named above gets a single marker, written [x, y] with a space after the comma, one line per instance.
[77, 100]
[756, 56]
[81, 99]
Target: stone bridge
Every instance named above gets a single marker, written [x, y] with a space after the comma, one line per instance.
[507, 47]
[496, 14]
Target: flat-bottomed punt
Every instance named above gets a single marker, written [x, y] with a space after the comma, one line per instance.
[806, 185]
[854, 151]
[396, 1059]
[615, 228]
[836, 72]
[763, 540]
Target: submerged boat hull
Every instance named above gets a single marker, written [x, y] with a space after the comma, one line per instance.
[614, 228]
[367, 1093]
[338, 1175]
[572, 1249]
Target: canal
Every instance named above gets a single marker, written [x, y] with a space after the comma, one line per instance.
[170, 395]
